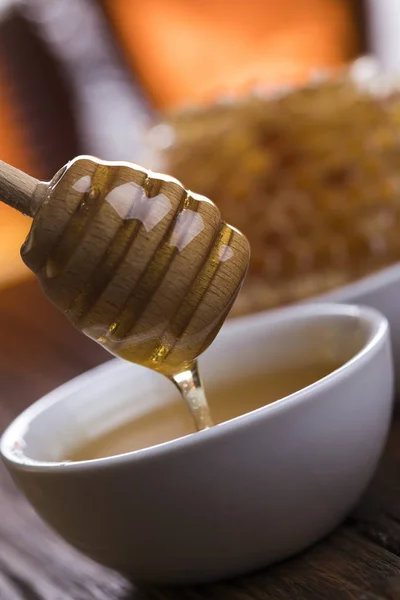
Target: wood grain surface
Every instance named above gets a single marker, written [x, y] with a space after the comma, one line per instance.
[40, 349]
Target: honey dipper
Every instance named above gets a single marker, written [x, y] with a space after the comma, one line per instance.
[137, 262]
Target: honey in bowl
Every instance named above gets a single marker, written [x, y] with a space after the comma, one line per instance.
[173, 420]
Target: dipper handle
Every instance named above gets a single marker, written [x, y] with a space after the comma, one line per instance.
[19, 190]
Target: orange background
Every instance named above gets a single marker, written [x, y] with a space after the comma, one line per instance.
[185, 50]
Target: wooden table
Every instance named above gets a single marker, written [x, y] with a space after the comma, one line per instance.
[40, 350]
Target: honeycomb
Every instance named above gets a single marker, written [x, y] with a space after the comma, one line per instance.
[311, 176]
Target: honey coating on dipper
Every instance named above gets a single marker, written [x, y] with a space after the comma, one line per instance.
[136, 261]
[311, 177]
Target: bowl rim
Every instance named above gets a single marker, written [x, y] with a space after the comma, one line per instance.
[377, 336]
[369, 284]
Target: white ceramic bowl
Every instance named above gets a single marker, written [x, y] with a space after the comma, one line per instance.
[230, 499]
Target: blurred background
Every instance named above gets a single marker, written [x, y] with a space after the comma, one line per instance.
[94, 77]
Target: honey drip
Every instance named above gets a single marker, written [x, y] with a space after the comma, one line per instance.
[190, 386]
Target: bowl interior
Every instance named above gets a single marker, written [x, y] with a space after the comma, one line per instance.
[248, 349]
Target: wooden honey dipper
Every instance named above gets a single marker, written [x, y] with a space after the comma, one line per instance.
[136, 261]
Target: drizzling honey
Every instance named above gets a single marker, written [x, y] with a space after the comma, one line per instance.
[168, 420]
[140, 264]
